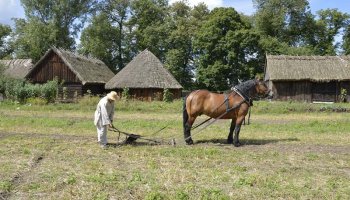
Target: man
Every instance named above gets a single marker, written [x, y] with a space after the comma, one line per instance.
[104, 117]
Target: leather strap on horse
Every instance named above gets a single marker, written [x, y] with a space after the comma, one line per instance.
[246, 99]
[227, 111]
[236, 106]
[226, 101]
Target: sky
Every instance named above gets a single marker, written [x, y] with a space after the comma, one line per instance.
[12, 8]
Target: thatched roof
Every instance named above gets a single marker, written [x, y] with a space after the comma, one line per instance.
[144, 71]
[88, 70]
[17, 68]
[313, 68]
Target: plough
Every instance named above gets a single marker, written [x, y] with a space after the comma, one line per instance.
[130, 138]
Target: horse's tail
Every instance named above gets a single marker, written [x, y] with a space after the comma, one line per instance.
[184, 113]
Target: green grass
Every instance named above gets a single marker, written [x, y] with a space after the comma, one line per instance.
[292, 151]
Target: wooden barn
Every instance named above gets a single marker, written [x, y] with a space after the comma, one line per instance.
[78, 73]
[146, 78]
[309, 78]
[17, 68]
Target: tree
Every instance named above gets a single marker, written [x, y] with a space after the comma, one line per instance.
[99, 40]
[286, 26]
[5, 31]
[149, 28]
[346, 39]
[328, 26]
[182, 25]
[107, 37]
[283, 19]
[32, 38]
[226, 49]
[50, 23]
[118, 11]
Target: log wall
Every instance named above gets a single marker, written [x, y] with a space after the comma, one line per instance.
[310, 91]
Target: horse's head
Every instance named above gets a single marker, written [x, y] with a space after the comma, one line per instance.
[254, 88]
[262, 90]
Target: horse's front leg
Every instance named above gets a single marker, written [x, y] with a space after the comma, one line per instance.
[230, 134]
[236, 138]
[237, 130]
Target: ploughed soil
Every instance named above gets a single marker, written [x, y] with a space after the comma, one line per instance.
[247, 144]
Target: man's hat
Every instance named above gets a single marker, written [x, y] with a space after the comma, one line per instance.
[112, 96]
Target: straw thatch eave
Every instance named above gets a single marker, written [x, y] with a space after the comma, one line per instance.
[311, 68]
[144, 71]
[17, 68]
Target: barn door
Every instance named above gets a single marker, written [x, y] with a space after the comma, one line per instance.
[324, 92]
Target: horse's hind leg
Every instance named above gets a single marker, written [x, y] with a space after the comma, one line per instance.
[187, 130]
[187, 124]
[230, 135]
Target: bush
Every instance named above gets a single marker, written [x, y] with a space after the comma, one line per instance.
[20, 90]
[167, 95]
[126, 94]
[49, 91]
[343, 95]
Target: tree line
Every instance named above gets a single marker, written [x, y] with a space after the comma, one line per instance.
[202, 48]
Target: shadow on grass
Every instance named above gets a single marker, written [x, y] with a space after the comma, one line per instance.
[134, 143]
[210, 141]
[248, 141]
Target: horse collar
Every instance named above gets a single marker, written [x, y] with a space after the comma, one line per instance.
[243, 89]
[244, 97]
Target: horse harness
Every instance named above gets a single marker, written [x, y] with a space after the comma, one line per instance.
[238, 90]
[245, 97]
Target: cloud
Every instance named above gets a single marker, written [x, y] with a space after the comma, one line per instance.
[10, 9]
[210, 3]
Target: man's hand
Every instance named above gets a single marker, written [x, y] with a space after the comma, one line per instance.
[110, 126]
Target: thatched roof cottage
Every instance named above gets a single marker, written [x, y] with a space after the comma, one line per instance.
[146, 78]
[308, 78]
[79, 73]
[17, 68]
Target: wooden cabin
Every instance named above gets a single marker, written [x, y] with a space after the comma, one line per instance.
[78, 73]
[146, 78]
[309, 78]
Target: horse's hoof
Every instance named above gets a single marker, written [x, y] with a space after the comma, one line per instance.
[189, 142]
[229, 141]
[237, 144]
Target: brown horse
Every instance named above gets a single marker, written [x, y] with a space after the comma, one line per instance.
[234, 105]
